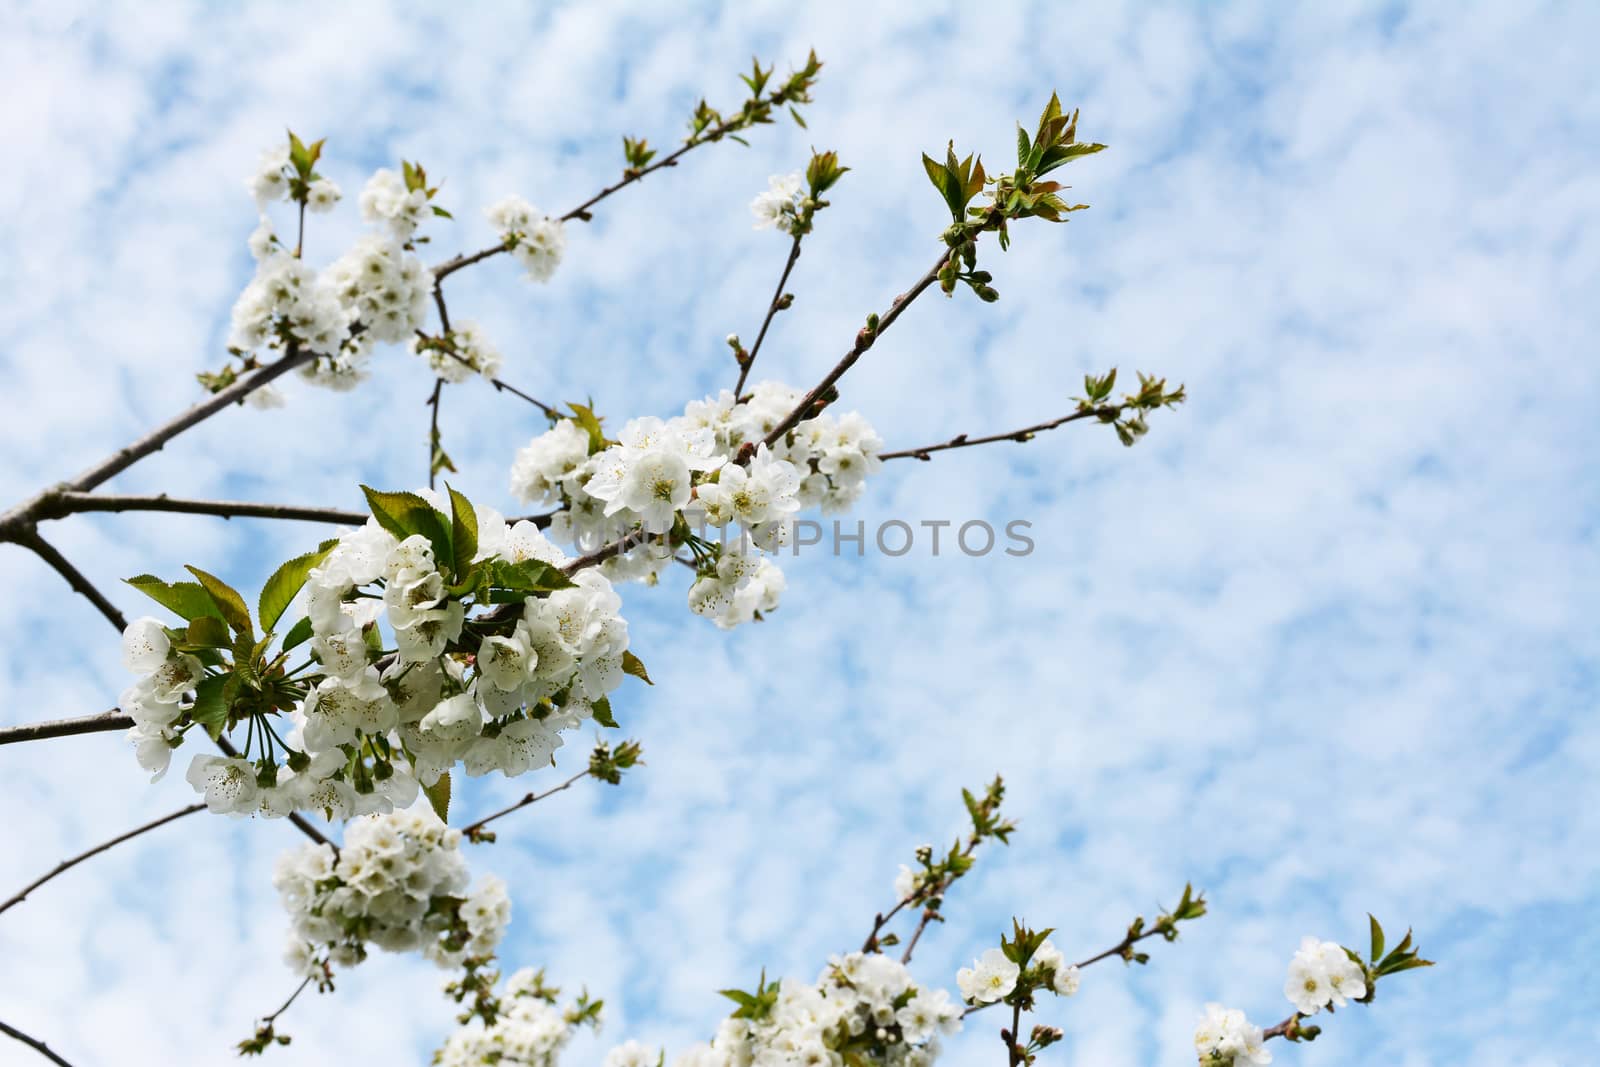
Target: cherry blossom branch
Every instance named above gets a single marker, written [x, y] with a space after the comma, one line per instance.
[1121, 948]
[115, 617]
[772, 310]
[68, 864]
[865, 339]
[83, 724]
[472, 831]
[63, 503]
[266, 1033]
[1103, 413]
[34, 1043]
[434, 450]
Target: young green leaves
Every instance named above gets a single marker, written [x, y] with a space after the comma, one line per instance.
[958, 181]
[1127, 417]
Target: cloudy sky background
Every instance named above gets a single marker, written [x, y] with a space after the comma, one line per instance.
[1321, 644]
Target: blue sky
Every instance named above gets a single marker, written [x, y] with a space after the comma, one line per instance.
[1320, 644]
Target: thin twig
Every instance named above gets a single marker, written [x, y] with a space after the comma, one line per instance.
[433, 431]
[532, 798]
[772, 311]
[68, 864]
[34, 1043]
[83, 724]
[922, 924]
[68, 503]
[301, 988]
[1115, 950]
[1022, 436]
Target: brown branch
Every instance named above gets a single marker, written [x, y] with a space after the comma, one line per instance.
[433, 430]
[68, 864]
[1104, 413]
[470, 832]
[65, 503]
[864, 340]
[83, 724]
[1116, 950]
[772, 311]
[34, 1043]
[268, 1020]
[916, 935]
[29, 538]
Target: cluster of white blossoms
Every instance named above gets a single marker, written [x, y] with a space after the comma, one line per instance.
[863, 1009]
[993, 976]
[1322, 973]
[155, 701]
[387, 202]
[273, 181]
[685, 473]
[1225, 1036]
[535, 240]
[529, 1030]
[376, 292]
[410, 676]
[778, 206]
[463, 352]
[399, 882]
[287, 299]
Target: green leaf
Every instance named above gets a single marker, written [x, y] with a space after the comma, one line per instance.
[1377, 938]
[1024, 145]
[586, 419]
[944, 181]
[393, 510]
[1060, 155]
[208, 631]
[284, 585]
[226, 598]
[602, 713]
[298, 634]
[530, 576]
[463, 530]
[188, 600]
[439, 796]
[798, 121]
[210, 708]
[407, 514]
[442, 213]
[631, 664]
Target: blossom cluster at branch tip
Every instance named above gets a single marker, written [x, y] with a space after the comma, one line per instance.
[529, 1028]
[1225, 1036]
[778, 206]
[399, 882]
[421, 662]
[534, 239]
[1323, 974]
[376, 292]
[709, 467]
[863, 1009]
